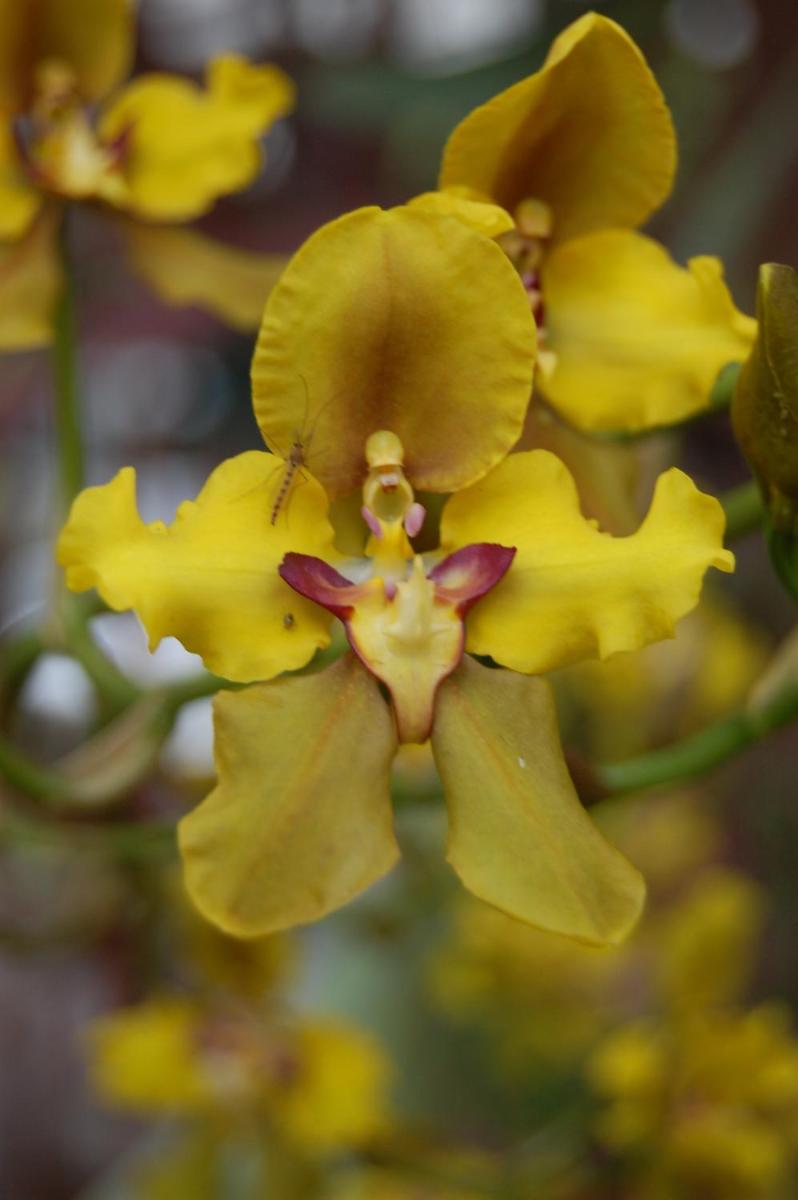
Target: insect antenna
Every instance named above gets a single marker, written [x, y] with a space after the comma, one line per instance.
[296, 458]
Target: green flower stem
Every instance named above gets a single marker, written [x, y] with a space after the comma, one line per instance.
[743, 508]
[196, 687]
[113, 686]
[104, 770]
[65, 380]
[696, 755]
[123, 839]
[28, 777]
[17, 658]
[723, 391]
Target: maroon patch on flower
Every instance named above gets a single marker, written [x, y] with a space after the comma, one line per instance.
[468, 574]
[317, 580]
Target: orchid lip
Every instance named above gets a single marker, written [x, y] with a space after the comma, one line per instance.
[408, 632]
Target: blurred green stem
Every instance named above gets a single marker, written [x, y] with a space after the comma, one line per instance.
[28, 777]
[65, 381]
[116, 690]
[123, 839]
[743, 508]
[18, 657]
[696, 755]
[108, 766]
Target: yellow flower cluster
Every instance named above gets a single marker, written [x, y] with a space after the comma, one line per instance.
[697, 1094]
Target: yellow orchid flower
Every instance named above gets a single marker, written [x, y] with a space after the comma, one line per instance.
[562, 168]
[322, 1084]
[159, 150]
[395, 354]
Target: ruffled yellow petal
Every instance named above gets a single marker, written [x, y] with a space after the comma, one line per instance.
[338, 1097]
[467, 206]
[93, 37]
[185, 267]
[300, 821]
[185, 147]
[30, 278]
[572, 591]
[637, 340]
[255, 94]
[589, 134]
[19, 200]
[400, 320]
[210, 578]
[518, 835]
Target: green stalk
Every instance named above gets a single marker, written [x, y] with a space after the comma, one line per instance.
[702, 752]
[195, 687]
[114, 687]
[69, 436]
[103, 770]
[28, 777]
[17, 658]
[743, 508]
[123, 839]
[116, 690]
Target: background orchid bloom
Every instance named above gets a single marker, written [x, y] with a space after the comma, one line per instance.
[193, 1059]
[403, 342]
[159, 150]
[563, 167]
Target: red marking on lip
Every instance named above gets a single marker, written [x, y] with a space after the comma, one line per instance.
[470, 573]
[317, 580]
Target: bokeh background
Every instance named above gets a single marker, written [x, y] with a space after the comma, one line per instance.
[380, 85]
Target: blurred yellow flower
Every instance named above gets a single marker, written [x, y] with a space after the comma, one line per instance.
[400, 342]
[562, 167]
[160, 149]
[709, 1103]
[542, 999]
[321, 1084]
[700, 1093]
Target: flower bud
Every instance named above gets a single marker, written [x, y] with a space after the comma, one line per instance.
[765, 405]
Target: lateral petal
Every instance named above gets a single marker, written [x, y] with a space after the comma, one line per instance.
[185, 146]
[572, 591]
[518, 835]
[637, 340]
[300, 820]
[185, 267]
[210, 578]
